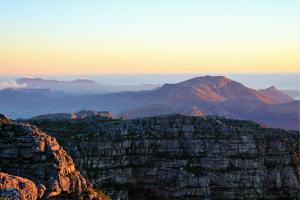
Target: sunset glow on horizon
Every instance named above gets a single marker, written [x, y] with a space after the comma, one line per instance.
[99, 37]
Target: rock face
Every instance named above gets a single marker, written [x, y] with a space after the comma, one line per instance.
[16, 187]
[28, 152]
[184, 157]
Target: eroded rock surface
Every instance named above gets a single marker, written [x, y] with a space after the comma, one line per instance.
[16, 187]
[28, 152]
[183, 157]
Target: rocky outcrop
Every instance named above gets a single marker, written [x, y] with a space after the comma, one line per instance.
[28, 152]
[16, 187]
[184, 157]
[79, 114]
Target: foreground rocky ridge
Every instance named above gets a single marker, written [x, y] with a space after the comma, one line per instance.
[28, 152]
[182, 157]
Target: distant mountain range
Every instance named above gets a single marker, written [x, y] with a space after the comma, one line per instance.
[81, 86]
[208, 95]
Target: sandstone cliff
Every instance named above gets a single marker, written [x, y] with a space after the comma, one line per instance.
[28, 152]
[16, 187]
[183, 157]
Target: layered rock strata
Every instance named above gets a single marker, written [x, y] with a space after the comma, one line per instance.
[16, 187]
[28, 152]
[183, 157]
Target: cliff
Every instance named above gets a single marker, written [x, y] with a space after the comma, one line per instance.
[182, 157]
[16, 187]
[28, 152]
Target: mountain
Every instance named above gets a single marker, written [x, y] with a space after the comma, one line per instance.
[181, 157]
[207, 88]
[206, 95]
[276, 94]
[81, 86]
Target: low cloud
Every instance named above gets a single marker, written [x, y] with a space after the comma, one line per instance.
[29, 77]
[13, 84]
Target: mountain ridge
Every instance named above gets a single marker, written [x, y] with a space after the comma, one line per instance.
[274, 93]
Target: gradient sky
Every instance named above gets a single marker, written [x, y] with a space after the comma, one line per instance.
[160, 36]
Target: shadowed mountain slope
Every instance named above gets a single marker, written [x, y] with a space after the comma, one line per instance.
[276, 115]
[160, 109]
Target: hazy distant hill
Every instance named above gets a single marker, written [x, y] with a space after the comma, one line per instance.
[81, 86]
[160, 109]
[276, 94]
[293, 93]
[284, 115]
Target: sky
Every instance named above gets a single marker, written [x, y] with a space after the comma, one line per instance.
[158, 36]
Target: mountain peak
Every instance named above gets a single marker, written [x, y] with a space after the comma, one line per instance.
[211, 81]
[276, 94]
[208, 88]
[272, 88]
